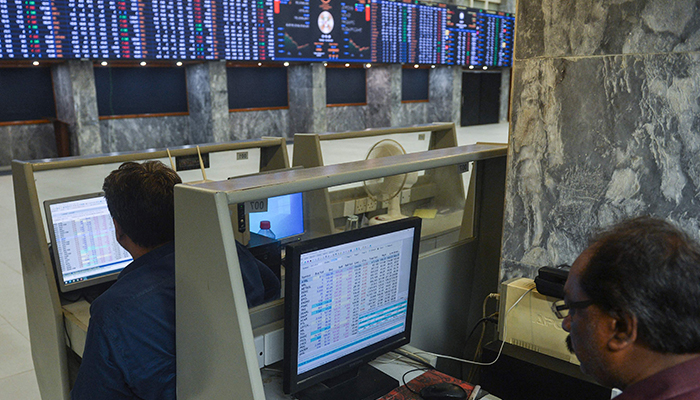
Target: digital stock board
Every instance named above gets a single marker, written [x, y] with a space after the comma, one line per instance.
[379, 31]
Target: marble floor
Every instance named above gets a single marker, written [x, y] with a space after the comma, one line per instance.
[17, 379]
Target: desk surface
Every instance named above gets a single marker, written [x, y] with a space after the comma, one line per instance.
[391, 364]
[76, 317]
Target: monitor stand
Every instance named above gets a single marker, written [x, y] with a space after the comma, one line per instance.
[363, 383]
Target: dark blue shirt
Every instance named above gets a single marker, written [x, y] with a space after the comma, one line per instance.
[130, 347]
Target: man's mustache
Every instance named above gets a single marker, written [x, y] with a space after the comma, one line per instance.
[569, 345]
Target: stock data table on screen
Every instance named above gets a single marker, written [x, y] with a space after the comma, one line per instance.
[382, 31]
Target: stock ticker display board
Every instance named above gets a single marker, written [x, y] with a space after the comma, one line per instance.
[380, 31]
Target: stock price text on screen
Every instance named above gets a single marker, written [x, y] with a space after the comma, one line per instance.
[381, 31]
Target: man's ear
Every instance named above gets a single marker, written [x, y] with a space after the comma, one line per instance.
[624, 331]
[118, 232]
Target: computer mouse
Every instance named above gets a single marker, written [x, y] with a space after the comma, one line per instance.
[443, 391]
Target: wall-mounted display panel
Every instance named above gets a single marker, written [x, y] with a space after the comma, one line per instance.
[27, 94]
[322, 30]
[384, 31]
[129, 91]
[346, 86]
[415, 84]
[257, 87]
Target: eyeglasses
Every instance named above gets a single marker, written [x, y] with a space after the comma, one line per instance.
[561, 308]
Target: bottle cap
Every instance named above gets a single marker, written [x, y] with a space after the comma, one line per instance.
[264, 224]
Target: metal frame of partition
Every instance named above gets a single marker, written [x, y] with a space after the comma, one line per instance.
[216, 354]
[308, 153]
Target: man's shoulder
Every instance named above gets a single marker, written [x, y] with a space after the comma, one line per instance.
[153, 278]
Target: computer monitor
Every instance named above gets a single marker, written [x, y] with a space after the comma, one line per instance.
[85, 250]
[285, 215]
[348, 299]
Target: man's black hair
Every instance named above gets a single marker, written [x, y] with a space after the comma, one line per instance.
[647, 268]
[140, 198]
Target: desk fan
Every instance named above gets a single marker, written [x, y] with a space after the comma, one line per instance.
[388, 188]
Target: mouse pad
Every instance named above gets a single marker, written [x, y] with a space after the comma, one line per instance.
[418, 383]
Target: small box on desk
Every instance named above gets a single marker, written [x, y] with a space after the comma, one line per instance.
[522, 374]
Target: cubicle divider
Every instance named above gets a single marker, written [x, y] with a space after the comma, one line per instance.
[51, 320]
[216, 354]
[335, 204]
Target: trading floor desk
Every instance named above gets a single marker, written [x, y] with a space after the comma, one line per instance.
[214, 325]
[204, 218]
[53, 322]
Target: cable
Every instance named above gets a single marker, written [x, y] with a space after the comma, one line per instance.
[413, 357]
[403, 378]
[500, 350]
[478, 351]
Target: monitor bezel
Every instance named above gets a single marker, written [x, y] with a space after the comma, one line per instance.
[62, 286]
[293, 382]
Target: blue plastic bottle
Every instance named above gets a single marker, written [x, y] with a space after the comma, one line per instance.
[265, 230]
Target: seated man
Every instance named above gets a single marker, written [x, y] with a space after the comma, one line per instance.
[632, 308]
[130, 347]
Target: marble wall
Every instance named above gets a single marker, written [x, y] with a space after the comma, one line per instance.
[383, 95]
[26, 142]
[413, 114]
[207, 99]
[255, 124]
[307, 98]
[76, 104]
[605, 124]
[445, 95]
[127, 134]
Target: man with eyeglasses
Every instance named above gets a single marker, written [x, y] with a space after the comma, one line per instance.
[632, 309]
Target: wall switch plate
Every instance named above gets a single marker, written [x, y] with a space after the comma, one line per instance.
[349, 208]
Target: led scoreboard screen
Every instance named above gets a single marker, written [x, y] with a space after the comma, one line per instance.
[326, 30]
[408, 32]
[382, 31]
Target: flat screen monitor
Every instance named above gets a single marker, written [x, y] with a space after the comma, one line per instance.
[85, 249]
[285, 215]
[348, 299]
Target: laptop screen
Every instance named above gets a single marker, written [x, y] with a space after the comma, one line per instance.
[85, 248]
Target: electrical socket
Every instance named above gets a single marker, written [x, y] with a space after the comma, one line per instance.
[405, 196]
[361, 205]
[371, 204]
